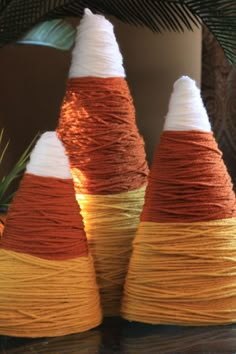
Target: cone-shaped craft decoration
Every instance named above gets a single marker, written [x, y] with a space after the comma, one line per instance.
[182, 270]
[106, 153]
[47, 279]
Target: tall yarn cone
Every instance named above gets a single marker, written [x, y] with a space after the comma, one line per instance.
[107, 157]
[182, 270]
[47, 278]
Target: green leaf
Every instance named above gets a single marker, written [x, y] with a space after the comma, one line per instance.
[16, 171]
[55, 33]
[219, 16]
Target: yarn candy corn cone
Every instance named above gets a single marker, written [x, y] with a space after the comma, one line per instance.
[107, 157]
[182, 270]
[47, 279]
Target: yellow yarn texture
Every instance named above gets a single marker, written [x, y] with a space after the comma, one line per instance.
[111, 223]
[182, 273]
[62, 295]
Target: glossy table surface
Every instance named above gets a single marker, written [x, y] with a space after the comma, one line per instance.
[122, 337]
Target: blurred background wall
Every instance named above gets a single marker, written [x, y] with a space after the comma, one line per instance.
[153, 63]
[33, 82]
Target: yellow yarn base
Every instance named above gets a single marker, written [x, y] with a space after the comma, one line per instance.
[44, 298]
[182, 274]
[110, 224]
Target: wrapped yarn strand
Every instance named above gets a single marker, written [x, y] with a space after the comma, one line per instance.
[97, 52]
[200, 188]
[46, 298]
[98, 129]
[120, 213]
[201, 281]
[186, 108]
[50, 240]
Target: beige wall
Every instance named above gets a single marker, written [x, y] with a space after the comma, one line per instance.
[33, 82]
[153, 62]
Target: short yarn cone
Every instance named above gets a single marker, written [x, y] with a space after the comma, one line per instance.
[107, 157]
[182, 270]
[47, 279]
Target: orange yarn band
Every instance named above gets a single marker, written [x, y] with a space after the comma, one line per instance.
[44, 220]
[98, 129]
[188, 181]
[110, 223]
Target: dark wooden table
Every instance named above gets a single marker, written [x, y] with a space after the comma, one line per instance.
[116, 336]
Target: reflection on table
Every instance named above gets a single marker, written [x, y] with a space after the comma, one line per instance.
[83, 343]
[116, 336]
[148, 339]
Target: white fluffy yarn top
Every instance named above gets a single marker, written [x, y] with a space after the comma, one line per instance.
[96, 52]
[186, 108]
[48, 158]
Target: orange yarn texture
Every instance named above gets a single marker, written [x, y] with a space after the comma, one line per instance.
[2, 223]
[188, 181]
[98, 129]
[36, 222]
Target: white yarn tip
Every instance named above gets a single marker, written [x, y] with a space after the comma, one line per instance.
[96, 52]
[48, 158]
[88, 12]
[186, 108]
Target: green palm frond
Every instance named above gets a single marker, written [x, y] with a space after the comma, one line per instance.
[219, 16]
[54, 33]
[3, 5]
[15, 173]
